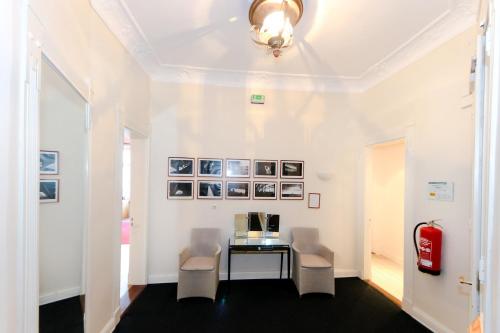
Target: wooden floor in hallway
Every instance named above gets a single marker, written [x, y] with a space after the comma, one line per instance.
[388, 275]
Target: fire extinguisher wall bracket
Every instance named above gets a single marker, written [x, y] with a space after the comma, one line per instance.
[428, 247]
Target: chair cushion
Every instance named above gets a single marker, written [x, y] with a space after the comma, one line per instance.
[199, 264]
[314, 261]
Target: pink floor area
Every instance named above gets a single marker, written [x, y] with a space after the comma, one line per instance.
[126, 231]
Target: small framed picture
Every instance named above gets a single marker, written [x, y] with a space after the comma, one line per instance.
[314, 200]
[237, 168]
[180, 167]
[208, 189]
[265, 169]
[237, 190]
[292, 169]
[265, 190]
[49, 190]
[292, 191]
[209, 167]
[180, 189]
[49, 162]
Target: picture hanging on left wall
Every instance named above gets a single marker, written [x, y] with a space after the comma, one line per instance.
[49, 162]
[49, 190]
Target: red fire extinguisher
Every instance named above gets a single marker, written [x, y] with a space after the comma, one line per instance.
[429, 247]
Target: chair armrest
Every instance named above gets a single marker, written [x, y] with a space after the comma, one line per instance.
[296, 247]
[326, 253]
[183, 256]
[218, 251]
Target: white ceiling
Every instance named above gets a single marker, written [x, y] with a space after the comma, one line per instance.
[339, 44]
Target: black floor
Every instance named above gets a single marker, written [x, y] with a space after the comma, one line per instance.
[267, 306]
[62, 317]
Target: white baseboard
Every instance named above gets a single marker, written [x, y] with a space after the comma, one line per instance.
[113, 321]
[59, 295]
[172, 278]
[428, 321]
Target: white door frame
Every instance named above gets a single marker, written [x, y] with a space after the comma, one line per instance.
[409, 221]
[30, 190]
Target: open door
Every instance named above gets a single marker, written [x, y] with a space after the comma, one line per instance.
[138, 208]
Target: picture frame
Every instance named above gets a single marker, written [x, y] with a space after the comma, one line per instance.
[292, 190]
[210, 167]
[238, 190]
[180, 189]
[314, 200]
[210, 189]
[49, 191]
[292, 169]
[265, 169]
[49, 162]
[181, 167]
[238, 168]
[263, 190]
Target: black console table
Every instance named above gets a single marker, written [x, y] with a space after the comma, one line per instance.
[258, 246]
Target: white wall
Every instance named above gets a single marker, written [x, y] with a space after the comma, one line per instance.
[387, 200]
[432, 96]
[62, 129]
[220, 122]
[12, 69]
[75, 39]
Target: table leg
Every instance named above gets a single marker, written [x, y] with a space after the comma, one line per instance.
[288, 262]
[229, 265]
[281, 265]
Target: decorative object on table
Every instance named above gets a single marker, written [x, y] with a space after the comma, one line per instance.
[237, 168]
[265, 169]
[180, 189]
[265, 190]
[256, 224]
[292, 169]
[49, 162]
[180, 167]
[273, 22]
[237, 190]
[210, 167]
[240, 225]
[292, 191]
[49, 190]
[210, 189]
[199, 265]
[314, 200]
[313, 269]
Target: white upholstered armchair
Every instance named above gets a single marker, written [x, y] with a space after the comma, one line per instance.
[313, 270]
[199, 265]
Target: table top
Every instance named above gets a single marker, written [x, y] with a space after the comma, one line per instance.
[257, 242]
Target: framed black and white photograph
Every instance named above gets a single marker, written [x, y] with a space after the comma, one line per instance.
[292, 191]
[238, 168]
[265, 169]
[208, 189]
[180, 167]
[210, 167]
[180, 189]
[265, 190]
[237, 190]
[49, 162]
[49, 190]
[292, 169]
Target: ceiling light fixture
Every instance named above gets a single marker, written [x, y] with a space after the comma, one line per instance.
[273, 22]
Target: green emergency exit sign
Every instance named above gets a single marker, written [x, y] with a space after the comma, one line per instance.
[258, 99]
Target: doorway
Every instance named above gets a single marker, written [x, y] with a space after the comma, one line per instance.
[385, 203]
[133, 224]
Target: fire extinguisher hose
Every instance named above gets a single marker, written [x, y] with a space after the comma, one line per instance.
[415, 235]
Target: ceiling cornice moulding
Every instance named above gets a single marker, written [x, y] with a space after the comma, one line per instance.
[119, 20]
